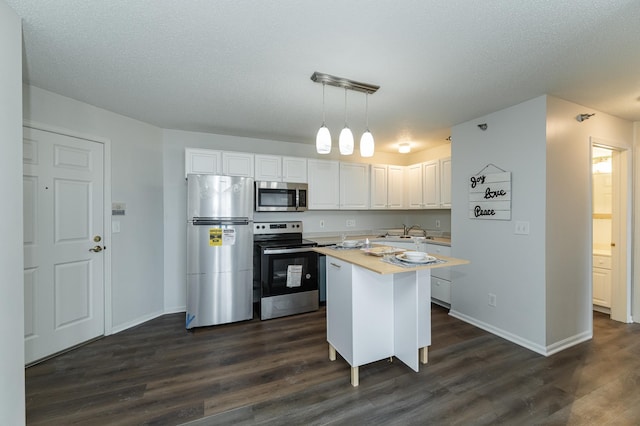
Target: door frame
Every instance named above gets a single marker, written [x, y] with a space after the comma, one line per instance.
[621, 233]
[108, 318]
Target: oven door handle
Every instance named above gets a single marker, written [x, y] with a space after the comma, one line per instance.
[286, 250]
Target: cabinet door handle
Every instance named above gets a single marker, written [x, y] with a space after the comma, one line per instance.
[336, 265]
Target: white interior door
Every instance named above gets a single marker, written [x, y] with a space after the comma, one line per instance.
[63, 242]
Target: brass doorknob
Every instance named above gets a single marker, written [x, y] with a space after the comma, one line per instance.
[96, 249]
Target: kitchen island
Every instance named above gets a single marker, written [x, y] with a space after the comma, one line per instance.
[377, 310]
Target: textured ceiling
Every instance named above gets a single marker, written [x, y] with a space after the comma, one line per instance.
[243, 67]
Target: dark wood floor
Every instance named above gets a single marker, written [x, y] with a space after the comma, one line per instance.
[278, 372]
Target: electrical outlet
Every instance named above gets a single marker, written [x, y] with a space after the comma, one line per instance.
[321, 223]
[351, 223]
[522, 228]
[492, 300]
[438, 223]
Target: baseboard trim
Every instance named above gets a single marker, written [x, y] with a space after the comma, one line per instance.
[137, 321]
[542, 350]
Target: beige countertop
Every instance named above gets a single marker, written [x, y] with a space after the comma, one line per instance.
[335, 239]
[375, 264]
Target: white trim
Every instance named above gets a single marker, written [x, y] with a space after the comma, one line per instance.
[500, 332]
[175, 309]
[108, 317]
[624, 241]
[137, 321]
[542, 350]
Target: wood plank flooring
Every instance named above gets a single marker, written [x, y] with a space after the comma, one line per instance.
[277, 372]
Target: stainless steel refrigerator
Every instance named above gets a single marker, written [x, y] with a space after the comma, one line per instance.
[219, 249]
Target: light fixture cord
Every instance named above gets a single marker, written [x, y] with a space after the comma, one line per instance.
[366, 110]
[323, 105]
[345, 107]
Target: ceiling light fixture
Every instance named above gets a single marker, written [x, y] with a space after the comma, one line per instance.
[367, 145]
[345, 141]
[323, 138]
[404, 148]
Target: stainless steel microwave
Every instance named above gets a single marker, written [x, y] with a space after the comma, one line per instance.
[281, 196]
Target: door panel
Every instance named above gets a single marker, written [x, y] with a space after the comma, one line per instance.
[63, 212]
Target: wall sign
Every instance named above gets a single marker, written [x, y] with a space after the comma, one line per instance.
[490, 195]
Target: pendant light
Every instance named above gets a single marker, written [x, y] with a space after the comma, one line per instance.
[367, 145]
[323, 138]
[346, 137]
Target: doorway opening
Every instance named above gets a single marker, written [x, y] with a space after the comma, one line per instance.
[610, 224]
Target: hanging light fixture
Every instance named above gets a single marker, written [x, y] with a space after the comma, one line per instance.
[367, 145]
[345, 141]
[346, 137]
[323, 138]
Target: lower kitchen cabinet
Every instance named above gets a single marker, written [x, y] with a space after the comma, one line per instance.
[602, 280]
[440, 291]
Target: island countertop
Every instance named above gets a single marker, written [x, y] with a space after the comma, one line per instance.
[375, 264]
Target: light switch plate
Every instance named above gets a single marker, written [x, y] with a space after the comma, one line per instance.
[115, 226]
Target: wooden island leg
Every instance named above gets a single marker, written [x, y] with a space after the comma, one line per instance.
[354, 377]
[424, 355]
[332, 353]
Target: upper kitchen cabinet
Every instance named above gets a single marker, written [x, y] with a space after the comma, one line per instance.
[429, 185]
[387, 187]
[445, 182]
[237, 164]
[209, 161]
[294, 169]
[202, 161]
[324, 184]
[354, 186]
[280, 169]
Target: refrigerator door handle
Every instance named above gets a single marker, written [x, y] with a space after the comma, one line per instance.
[199, 221]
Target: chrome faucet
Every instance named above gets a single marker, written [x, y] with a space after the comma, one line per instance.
[406, 229]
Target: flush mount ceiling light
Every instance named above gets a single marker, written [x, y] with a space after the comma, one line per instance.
[404, 148]
[345, 141]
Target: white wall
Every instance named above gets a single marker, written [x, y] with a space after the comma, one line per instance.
[510, 266]
[541, 280]
[636, 231]
[137, 283]
[175, 141]
[569, 220]
[12, 403]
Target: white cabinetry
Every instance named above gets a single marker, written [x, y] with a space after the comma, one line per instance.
[237, 164]
[334, 185]
[202, 161]
[324, 184]
[440, 277]
[218, 162]
[429, 184]
[280, 169]
[602, 280]
[445, 182]
[387, 186]
[354, 186]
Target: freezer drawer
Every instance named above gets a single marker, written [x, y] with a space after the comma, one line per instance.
[219, 274]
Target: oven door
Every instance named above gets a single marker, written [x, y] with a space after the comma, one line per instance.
[288, 271]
